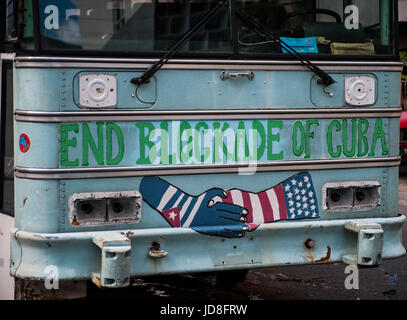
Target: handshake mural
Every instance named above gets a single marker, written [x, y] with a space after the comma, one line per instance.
[231, 213]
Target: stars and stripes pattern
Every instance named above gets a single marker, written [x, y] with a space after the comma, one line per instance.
[300, 196]
[293, 199]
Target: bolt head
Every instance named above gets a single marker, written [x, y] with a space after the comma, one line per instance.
[310, 243]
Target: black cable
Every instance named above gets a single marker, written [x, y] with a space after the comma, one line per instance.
[151, 103]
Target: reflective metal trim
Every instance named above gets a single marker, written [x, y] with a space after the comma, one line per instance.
[120, 172]
[202, 64]
[294, 67]
[199, 61]
[135, 115]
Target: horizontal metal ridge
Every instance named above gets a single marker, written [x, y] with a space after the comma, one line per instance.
[140, 115]
[118, 172]
[202, 61]
[204, 64]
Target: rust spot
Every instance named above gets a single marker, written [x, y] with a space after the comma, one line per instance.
[74, 222]
[327, 258]
[130, 233]
[309, 244]
[157, 254]
[308, 248]
[24, 202]
[96, 279]
[155, 266]
[309, 254]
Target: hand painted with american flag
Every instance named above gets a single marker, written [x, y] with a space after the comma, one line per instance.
[293, 199]
[200, 213]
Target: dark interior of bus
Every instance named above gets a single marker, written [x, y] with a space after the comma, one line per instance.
[327, 27]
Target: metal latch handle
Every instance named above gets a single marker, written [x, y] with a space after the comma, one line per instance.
[226, 75]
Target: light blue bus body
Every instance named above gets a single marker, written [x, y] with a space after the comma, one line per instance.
[44, 235]
[212, 165]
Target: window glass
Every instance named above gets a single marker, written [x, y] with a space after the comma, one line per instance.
[319, 26]
[7, 189]
[11, 23]
[328, 27]
[132, 25]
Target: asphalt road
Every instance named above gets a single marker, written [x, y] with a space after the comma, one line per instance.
[321, 282]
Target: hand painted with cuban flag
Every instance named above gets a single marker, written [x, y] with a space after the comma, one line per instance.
[200, 213]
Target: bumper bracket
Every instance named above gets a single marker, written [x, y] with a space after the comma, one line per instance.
[115, 260]
[369, 244]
